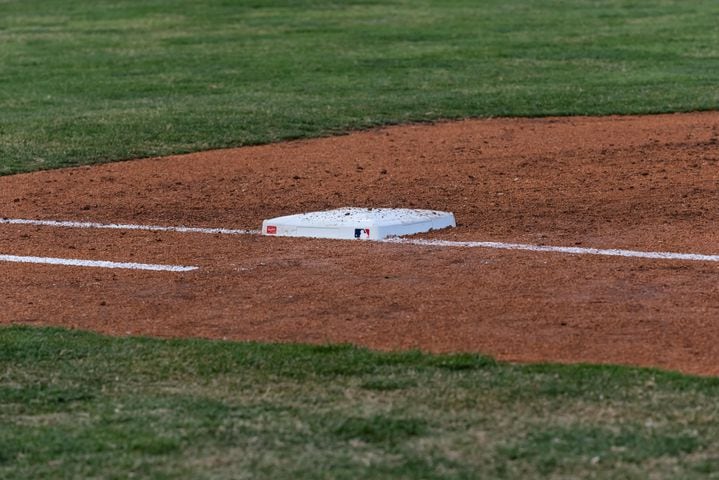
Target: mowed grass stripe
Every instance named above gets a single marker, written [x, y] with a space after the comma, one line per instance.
[80, 405]
[85, 82]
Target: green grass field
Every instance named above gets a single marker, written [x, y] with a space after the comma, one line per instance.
[86, 82]
[79, 405]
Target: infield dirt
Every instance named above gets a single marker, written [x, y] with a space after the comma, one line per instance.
[642, 183]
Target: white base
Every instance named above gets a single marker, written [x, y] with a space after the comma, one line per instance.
[358, 223]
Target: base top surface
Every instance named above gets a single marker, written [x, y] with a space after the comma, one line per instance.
[355, 222]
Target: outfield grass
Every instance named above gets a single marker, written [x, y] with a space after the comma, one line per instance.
[85, 82]
[79, 405]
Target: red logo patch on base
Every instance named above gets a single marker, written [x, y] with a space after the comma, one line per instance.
[271, 230]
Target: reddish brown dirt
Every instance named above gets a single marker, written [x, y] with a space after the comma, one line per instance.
[648, 183]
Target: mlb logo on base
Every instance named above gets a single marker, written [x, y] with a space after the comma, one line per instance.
[361, 232]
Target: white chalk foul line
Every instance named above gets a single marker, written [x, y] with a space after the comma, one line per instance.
[407, 241]
[69, 262]
[120, 226]
[569, 250]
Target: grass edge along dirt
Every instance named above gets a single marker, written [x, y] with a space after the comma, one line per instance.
[88, 82]
[78, 404]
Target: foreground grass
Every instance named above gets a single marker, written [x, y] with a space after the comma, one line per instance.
[79, 405]
[83, 82]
